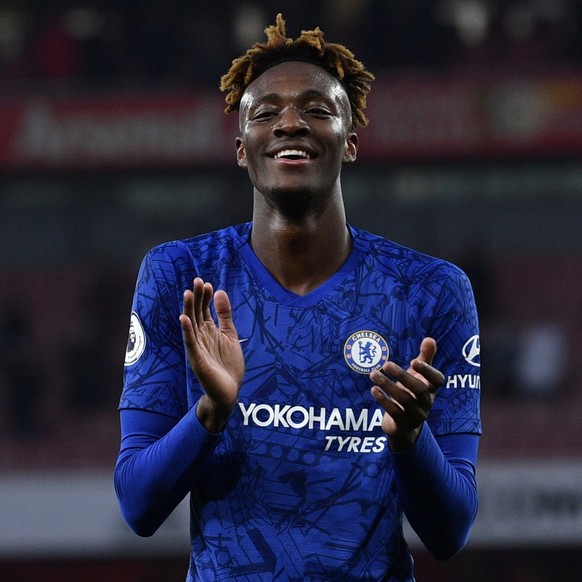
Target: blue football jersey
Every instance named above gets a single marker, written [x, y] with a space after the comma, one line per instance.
[301, 485]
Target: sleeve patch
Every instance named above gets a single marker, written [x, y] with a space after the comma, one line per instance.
[136, 341]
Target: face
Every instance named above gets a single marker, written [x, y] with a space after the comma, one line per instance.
[295, 131]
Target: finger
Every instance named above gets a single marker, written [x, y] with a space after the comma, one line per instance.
[202, 295]
[224, 312]
[408, 388]
[402, 416]
[197, 287]
[434, 377]
[397, 389]
[206, 299]
[187, 317]
[188, 304]
[428, 348]
[187, 329]
[393, 373]
[422, 364]
[389, 405]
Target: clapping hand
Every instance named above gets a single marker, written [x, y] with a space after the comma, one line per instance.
[214, 352]
[407, 396]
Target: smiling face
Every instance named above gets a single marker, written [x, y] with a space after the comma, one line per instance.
[295, 131]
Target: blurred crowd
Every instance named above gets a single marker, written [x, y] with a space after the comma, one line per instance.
[194, 41]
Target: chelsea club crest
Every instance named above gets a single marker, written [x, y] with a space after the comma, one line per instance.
[365, 351]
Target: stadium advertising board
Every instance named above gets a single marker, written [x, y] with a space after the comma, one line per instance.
[522, 504]
[411, 118]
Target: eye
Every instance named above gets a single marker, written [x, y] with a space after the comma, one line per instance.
[264, 114]
[318, 111]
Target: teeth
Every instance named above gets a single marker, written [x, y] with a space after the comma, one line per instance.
[292, 153]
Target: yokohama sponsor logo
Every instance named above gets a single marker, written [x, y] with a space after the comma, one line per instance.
[288, 416]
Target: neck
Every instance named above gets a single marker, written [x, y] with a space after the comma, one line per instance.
[301, 251]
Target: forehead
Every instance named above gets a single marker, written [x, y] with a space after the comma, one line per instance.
[292, 79]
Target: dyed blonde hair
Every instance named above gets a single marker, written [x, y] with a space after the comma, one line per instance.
[309, 47]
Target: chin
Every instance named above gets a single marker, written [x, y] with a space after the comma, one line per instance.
[298, 196]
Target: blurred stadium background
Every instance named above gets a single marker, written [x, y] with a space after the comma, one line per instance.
[113, 139]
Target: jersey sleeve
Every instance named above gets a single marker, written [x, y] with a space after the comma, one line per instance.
[436, 483]
[155, 370]
[455, 328]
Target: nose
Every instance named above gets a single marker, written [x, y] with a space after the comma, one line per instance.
[290, 122]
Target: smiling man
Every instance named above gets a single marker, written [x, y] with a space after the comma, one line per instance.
[302, 405]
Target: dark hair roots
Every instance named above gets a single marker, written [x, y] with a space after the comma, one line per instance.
[309, 47]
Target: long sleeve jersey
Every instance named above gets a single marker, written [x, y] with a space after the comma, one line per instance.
[301, 484]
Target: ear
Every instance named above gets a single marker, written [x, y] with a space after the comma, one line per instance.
[351, 152]
[241, 154]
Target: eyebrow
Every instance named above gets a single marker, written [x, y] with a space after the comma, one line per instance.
[308, 94]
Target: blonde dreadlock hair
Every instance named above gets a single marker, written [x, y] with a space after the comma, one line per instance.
[309, 47]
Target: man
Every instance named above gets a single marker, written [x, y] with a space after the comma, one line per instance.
[255, 399]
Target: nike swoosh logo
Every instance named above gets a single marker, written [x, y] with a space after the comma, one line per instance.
[244, 339]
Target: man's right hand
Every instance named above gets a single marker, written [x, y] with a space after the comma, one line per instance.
[214, 352]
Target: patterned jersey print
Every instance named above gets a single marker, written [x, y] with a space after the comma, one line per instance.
[301, 485]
